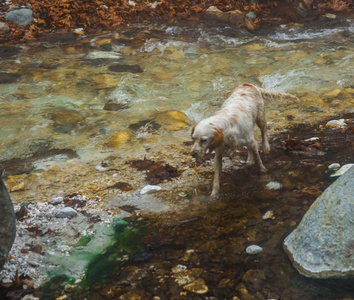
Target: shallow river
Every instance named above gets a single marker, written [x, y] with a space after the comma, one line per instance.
[74, 109]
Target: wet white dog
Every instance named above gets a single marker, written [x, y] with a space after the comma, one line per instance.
[232, 127]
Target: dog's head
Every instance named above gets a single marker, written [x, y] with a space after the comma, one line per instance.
[206, 137]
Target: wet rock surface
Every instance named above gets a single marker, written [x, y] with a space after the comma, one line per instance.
[321, 246]
[7, 223]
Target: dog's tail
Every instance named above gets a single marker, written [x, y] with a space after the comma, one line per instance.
[269, 95]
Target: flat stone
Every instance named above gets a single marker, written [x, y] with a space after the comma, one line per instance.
[322, 246]
[21, 17]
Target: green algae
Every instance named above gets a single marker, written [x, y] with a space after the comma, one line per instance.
[102, 265]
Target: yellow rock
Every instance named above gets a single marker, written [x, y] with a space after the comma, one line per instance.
[333, 93]
[106, 80]
[103, 41]
[19, 187]
[197, 287]
[253, 47]
[172, 119]
[120, 138]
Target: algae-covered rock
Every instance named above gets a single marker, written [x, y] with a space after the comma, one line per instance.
[322, 246]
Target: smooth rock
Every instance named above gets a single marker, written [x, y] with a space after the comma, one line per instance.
[4, 28]
[172, 119]
[67, 118]
[7, 223]
[342, 170]
[274, 185]
[66, 212]
[150, 189]
[254, 249]
[322, 245]
[336, 124]
[334, 167]
[126, 68]
[21, 17]
[119, 139]
[56, 201]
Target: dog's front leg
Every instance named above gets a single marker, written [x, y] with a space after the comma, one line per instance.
[217, 171]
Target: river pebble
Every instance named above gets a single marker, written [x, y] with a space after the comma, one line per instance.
[254, 249]
[56, 200]
[336, 124]
[274, 185]
[334, 167]
[66, 212]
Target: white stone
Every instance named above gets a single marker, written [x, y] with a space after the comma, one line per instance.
[274, 185]
[268, 215]
[254, 249]
[150, 189]
[342, 170]
[336, 123]
[334, 166]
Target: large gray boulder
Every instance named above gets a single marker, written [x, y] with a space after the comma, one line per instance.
[322, 246]
[21, 17]
[7, 223]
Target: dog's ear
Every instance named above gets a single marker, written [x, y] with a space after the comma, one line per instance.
[219, 138]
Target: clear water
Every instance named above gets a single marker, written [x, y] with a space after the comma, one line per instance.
[189, 68]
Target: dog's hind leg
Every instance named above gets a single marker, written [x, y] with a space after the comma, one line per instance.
[253, 147]
[262, 124]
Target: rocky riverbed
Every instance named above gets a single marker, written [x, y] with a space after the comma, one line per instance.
[194, 245]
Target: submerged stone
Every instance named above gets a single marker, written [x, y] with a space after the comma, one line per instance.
[197, 287]
[172, 119]
[126, 68]
[118, 139]
[322, 245]
[9, 77]
[66, 118]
